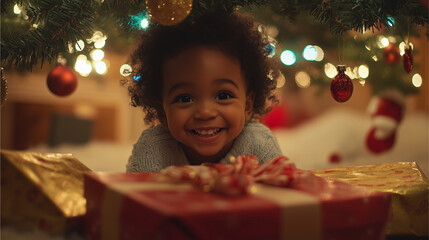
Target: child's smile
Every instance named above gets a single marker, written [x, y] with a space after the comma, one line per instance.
[205, 102]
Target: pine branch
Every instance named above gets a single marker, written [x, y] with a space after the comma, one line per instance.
[60, 23]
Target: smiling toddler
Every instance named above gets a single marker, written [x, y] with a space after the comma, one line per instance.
[204, 84]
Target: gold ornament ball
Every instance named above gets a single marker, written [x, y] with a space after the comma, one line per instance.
[169, 12]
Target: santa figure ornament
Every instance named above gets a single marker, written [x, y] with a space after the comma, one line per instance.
[386, 111]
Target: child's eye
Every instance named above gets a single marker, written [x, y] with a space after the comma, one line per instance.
[183, 99]
[224, 96]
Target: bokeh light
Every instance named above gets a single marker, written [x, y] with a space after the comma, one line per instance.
[330, 70]
[100, 67]
[320, 53]
[302, 79]
[80, 45]
[125, 70]
[309, 53]
[288, 57]
[363, 71]
[97, 54]
[417, 80]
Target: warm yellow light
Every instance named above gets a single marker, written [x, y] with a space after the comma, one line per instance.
[82, 65]
[417, 80]
[363, 71]
[382, 41]
[16, 9]
[402, 47]
[281, 81]
[125, 70]
[320, 53]
[100, 67]
[302, 79]
[330, 70]
[80, 45]
[97, 54]
[99, 43]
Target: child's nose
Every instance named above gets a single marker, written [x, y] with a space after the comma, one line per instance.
[205, 111]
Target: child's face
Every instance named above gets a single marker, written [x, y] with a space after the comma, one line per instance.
[205, 102]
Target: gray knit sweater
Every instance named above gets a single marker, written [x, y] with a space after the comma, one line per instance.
[156, 149]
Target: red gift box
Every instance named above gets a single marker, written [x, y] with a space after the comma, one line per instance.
[135, 206]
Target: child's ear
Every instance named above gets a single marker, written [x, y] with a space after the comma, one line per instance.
[250, 98]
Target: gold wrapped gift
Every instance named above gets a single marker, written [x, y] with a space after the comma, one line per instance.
[407, 184]
[42, 191]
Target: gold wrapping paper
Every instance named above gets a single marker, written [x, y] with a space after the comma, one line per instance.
[407, 184]
[43, 191]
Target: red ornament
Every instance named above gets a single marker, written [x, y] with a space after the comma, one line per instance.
[61, 81]
[391, 54]
[341, 85]
[407, 59]
[335, 158]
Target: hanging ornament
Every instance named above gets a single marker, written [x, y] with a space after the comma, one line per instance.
[62, 81]
[341, 85]
[386, 111]
[391, 54]
[3, 88]
[407, 59]
[169, 12]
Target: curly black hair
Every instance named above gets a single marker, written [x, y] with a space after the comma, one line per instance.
[234, 34]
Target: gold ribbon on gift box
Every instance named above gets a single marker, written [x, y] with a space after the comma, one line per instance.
[407, 184]
[42, 191]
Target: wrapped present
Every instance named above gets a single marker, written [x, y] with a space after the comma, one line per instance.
[42, 191]
[407, 184]
[231, 201]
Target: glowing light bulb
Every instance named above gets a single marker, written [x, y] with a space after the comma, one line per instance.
[330, 70]
[302, 79]
[97, 54]
[320, 53]
[99, 43]
[288, 57]
[16, 9]
[80, 45]
[417, 80]
[309, 53]
[382, 41]
[100, 67]
[125, 70]
[144, 23]
[402, 47]
[363, 71]
[83, 66]
[281, 80]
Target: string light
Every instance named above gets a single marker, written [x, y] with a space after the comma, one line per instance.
[100, 67]
[309, 53]
[83, 66]
[80, 45]
[417, 80]
[16, 9]
[97, 54]
[402, 47]
[330, 70]
[363, 71]
[125, 70]
[281, 80]
[288, 57]
[320, 53]
[302, 79]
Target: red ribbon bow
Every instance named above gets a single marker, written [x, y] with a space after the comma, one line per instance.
[237, 177]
